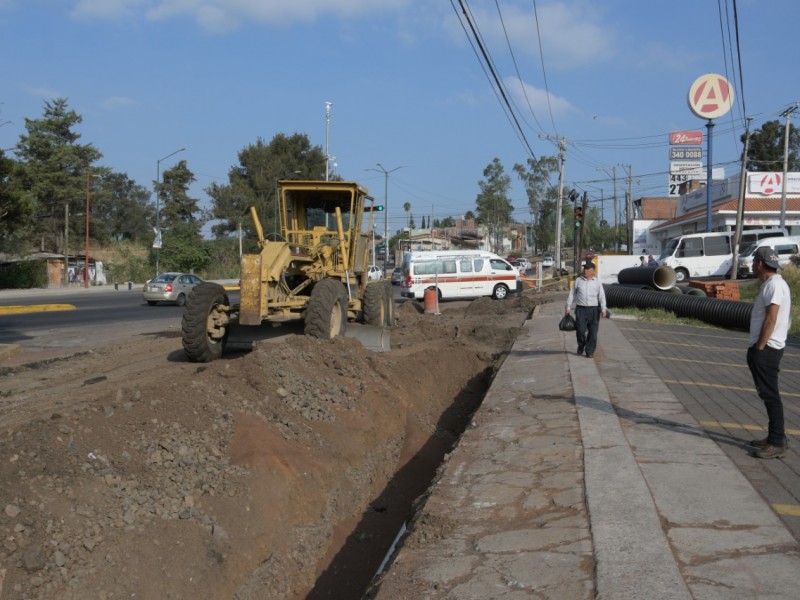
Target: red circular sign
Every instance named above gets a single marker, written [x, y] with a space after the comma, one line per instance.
[710, 96]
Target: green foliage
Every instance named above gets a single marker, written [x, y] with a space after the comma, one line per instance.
[538, 177]
[224, 259]
[183, 249]
[494, 207]
[254, 182]
[24, 274]
[52, 171]
[765, 152]
[129, 264]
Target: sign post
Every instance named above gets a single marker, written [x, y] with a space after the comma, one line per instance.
[710, 96]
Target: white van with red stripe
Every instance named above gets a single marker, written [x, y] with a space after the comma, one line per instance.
[459, 274]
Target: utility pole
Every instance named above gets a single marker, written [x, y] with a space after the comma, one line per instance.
[629, 209]
[562, 155]
[616, 206]
[785, 114]
[737, 238]
[327, 138]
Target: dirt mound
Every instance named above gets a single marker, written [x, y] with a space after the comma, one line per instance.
[284, 472]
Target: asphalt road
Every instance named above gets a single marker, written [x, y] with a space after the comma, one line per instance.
[707, 371]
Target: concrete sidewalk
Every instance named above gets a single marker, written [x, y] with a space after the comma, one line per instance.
[587, 478]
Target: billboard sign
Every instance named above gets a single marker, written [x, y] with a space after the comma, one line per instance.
[685, 167]
[686, 153]
[710, 96]
[686, 138]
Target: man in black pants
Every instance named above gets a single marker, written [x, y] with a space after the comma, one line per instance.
[769, 326]
[590, 304]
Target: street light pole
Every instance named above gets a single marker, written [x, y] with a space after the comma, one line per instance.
[385, 172]
[86, 265]
[158, 206]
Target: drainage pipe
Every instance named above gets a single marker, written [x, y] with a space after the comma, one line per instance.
[661, 277]
[692, 291]
[731, 314]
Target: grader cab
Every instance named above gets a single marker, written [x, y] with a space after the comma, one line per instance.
[313, 268]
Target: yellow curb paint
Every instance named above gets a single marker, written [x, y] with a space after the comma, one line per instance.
[719, 386]
[16, 310]
[746, 427]
[229, 287]
[793, 510]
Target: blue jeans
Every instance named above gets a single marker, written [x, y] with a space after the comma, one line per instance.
[764, 366]
[587, 322]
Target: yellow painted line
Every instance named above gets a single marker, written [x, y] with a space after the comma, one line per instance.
[694, 360]
[734, 349]
[739, 365]
[793, 510]
[745, 427]
[719, 386]
[682, 334]
[18, 310]
[231, 287]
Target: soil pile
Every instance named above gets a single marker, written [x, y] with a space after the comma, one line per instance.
[284, 472]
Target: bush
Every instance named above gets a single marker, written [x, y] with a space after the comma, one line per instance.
[24, 274]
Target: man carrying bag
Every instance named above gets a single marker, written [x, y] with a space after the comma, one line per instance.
[590, 304]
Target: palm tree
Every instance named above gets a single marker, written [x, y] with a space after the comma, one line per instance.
[407, 208]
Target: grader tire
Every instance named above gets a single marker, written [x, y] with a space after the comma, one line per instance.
[389, 292]
[326, 316]
[202, 340]
[375, 304]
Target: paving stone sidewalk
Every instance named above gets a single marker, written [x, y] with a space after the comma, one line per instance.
[586, 478]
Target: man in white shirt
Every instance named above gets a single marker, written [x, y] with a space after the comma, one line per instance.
[590, 304]
[769, 326]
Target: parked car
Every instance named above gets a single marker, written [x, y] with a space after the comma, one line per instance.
[397, 276]
[522, 264]
[374, 273]
[548, 261]
[170, 287]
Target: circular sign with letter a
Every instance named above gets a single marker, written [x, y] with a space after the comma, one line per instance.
[710, 96]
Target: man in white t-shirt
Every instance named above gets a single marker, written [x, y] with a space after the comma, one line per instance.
[769, 326]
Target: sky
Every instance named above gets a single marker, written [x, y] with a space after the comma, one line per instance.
[407, 87]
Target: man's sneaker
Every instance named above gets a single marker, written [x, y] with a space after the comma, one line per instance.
[764, 443]
[770, 451]
[580, 348]
[589, 355]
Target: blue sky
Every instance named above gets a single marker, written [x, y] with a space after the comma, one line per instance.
[152, 76]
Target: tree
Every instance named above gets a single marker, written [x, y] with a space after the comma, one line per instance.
[407, 208]
[16, 209]
[120, 208]
[254, 182]
[52, 171]
[765, 152]
[183, 248]
[423, 223]
[494, 207]
[542, 197]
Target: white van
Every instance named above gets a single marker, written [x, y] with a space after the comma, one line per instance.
[784, 247]
[459, 274]
[708, 254]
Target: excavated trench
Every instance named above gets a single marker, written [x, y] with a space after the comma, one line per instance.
[348, 570]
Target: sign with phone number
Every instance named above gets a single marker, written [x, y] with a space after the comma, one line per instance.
[686, 153]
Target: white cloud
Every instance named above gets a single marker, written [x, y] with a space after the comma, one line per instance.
[572, 33]
[106, 9]
[117, 102]
[540, 100]
[219, 16]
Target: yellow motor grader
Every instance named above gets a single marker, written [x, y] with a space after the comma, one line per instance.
[314, 268]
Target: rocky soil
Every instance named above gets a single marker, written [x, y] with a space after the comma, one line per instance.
[285, 472]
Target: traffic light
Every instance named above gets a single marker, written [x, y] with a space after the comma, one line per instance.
[578, 216]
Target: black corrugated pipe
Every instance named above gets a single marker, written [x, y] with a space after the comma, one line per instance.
[692, 291]
[724, 313]
[662, 278]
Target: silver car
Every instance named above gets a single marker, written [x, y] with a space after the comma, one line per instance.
[170, 287]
